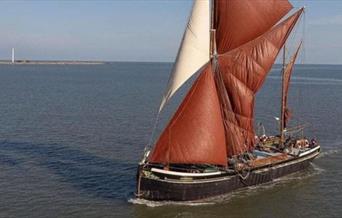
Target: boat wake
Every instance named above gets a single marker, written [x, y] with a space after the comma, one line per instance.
[329, 153]
[167, 203]
[314, 170]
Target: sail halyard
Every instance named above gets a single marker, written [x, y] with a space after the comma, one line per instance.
[193, 53]
[244, 70]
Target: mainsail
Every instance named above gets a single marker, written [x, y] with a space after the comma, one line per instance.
[216, 118]
[286, 84]
[244, 70]
[194, 50]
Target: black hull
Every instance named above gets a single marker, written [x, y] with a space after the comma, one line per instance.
[173, 190]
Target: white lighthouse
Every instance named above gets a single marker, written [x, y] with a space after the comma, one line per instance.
[12, 55]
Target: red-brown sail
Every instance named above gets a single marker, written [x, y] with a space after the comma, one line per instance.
[244, 70]
[240, 21]
[287, 77]
[195, 134]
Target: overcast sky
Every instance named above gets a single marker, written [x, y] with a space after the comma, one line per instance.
[134, 30]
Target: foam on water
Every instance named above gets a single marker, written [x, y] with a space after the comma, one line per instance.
[167, 203]
[328, 153]
[283, 181]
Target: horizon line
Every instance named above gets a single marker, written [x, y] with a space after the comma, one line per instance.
[126, 61]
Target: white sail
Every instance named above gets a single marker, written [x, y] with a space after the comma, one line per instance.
[194, 50]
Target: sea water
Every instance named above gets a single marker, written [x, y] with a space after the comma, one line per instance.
[71, 137]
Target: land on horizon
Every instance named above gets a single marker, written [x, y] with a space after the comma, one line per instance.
[51, 62]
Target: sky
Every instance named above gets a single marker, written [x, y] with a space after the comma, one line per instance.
[135, 30]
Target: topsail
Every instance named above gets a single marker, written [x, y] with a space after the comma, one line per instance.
[194, 50]
[240, 21]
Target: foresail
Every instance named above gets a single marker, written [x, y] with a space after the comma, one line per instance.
[244, 70]
[240, 21]
[195, 134]
[194, 50]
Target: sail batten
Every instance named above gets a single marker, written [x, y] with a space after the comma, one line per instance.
[194, 52]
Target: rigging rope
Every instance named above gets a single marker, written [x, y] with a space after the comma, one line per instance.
[149, 145]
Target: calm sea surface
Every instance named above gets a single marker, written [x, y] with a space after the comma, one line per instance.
[71, 137]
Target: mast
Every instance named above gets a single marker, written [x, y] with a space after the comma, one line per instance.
[282, 112]
[219, 83]
[218, 77]
[212, 30]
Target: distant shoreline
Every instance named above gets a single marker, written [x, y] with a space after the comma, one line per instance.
[22, 62]
[75, 62]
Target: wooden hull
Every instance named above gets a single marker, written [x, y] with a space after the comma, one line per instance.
[157, 189]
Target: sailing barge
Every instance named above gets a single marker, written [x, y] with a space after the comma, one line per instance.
[209, 146]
